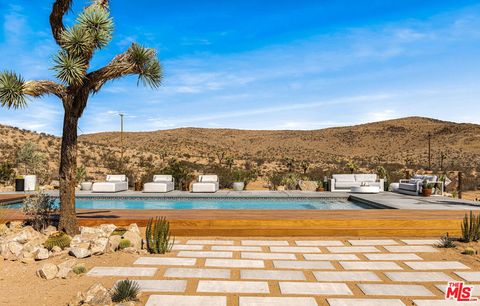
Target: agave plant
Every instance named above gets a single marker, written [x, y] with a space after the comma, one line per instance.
[91, 31]
[157, 235]
[125, 291]
[471, 227]
[446, 242]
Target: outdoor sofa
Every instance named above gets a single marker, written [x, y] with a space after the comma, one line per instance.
[344, 182]
[161, 183]
[206, 183]
[113, 183]
[414, 185]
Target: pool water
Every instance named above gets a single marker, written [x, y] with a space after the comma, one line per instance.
[259, 204]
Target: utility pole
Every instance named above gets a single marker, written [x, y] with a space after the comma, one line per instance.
[121, 140]
[429, 151]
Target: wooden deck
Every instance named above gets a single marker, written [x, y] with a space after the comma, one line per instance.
[368, 223]
[7, 198]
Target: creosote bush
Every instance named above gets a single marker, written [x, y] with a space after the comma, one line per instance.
[157, 236]
[124, 243]
[38, 210]
[125, 291]
[79, 269]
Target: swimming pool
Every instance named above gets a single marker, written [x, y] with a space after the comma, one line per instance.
[219, 203]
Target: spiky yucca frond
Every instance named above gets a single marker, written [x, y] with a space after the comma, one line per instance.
[70, 69]
[97, 22]
[125, 291]
[146, 63]
[76, 41]
[12, 90]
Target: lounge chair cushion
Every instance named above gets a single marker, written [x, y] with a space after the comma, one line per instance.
[162, 178]
[344, 178]
[347, 184]
[208, 178]
[116, 178]
[408, 186]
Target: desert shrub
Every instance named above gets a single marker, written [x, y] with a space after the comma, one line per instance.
[157, 236]
[125, 291]
[6, 172]
[316, 174]
[226, 176]
[469, 251]
[38, 210]
[119, 231]
[124, 243]
[79, 269]
[29, 157]
[275, 179]
[59, 239]
[290, 180]
[81, 174]
[471, 227]
[245, 176]
[446, 242]
[181, 173]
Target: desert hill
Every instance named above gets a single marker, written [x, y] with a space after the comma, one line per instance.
[396, 144]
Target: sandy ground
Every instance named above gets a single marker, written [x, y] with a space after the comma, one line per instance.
[20, 286]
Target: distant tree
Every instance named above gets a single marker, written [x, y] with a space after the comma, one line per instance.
[92, 31]
[229, 162]
[29, 158]
[290, 164]
[304, 165]
[352, 166]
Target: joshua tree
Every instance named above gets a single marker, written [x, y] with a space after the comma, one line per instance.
[352, 166]
[229, 161]
[92, 31]
[290, 164]
[305, 165]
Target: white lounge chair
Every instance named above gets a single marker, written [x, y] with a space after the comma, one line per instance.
[414, 186]
[161, 183]
[113, 183]
[206, 183]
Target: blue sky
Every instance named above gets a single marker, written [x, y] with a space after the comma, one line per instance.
[265, 64]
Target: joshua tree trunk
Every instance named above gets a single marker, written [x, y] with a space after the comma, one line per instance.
[68, 166]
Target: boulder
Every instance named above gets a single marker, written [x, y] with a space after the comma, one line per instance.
[63, 272]
[308, 185]
[49, 230]
[67, 264]
[56, 249]
[134, 228]
[41, 254]
[15, 248]
[15, 226]
[79, 252]
[135, 239]
[130, 250]
[113, 243]
[47, 271]
[4, 230]
[28, 260]
[97, 295]
[99, 246]
[108, 228]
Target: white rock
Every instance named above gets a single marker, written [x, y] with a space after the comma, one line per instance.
[134, 228]
[67, 264]
[15, 248]
[80, 252]
[135, 239]
[107, 228]
[99, 246]
[97, 295]
[113, 243]
[41, 254]
[47, 271]
[63, 272]
[49, 230]
[56, 249]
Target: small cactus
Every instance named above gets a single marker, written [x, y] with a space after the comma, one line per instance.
[124, 243]
[79, 269]
[59, 239]
[469, 251]
[157, 236]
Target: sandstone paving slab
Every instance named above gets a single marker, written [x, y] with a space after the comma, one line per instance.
[442, 303]
[436, 265]
[197, 273]
[370, 265]
[276, 301]
[256, 255]
[185, 300]
[365, 302]
[234, 263]
[469, 276]
[331, 257]
[236, 248]
[475, 291]
[319, 243]
[265, 242]
[346, 276]
[162, 285]
[218, 242]
[165, 261]
[186, 247]
[372, 242]
[302, 264]
[411, 249]
[307, 288]
[232, 287]
[393, 256]
[418, 277]
[421, 241]
[395, 290]
[205, 254]
[121, 271]
[353, 249]
[291, 249]
[272, 274]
